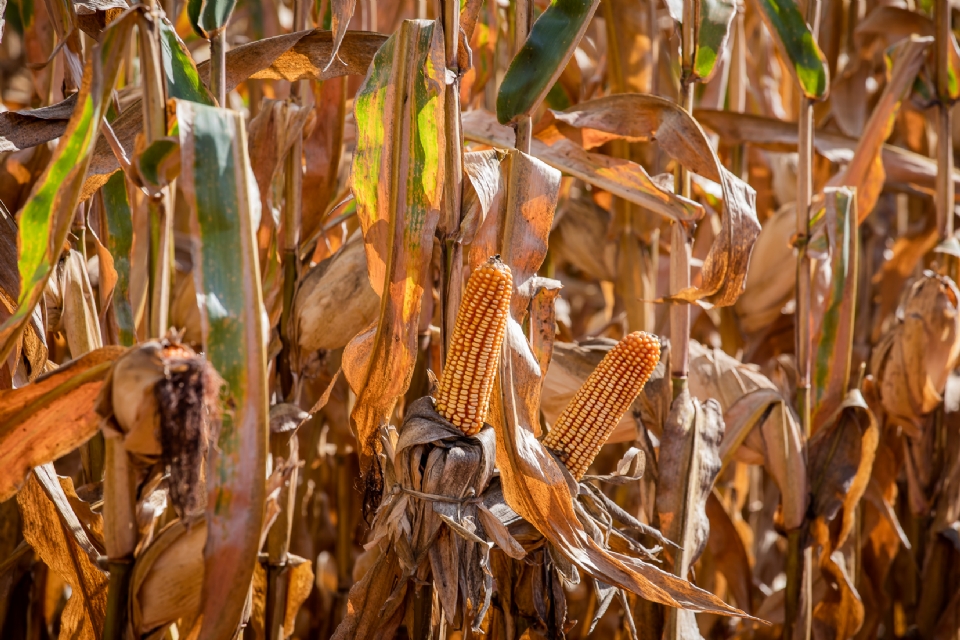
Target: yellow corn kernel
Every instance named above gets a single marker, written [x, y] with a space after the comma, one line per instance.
[467, 381]
[596, 409]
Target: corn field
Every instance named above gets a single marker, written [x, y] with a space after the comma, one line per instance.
[460, 319]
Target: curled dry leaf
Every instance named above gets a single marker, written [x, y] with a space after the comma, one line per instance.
[840, 464]
[772, 274]
[71, 305]
[761, 427]
[913, 360]
[639, 117]
[50, 417]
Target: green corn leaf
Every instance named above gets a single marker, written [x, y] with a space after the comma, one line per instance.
[797, 45]
[834, 340]
[45, 220]
[179, 69]
[118, 238]
[220, 193]
[398, 176]
[541, 60]
[716, 16]
[209, 16]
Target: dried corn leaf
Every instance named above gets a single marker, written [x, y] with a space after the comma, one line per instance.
[321, 151]
[398, 178]
[688, 466]
[728, 551]
[51, 416]
[865, 172]
[218, 187]
[913, 360]
[761, 427]
[622, 178]
[904, 169]
[772, 274]
[639, 117]
[60, 540]
[71, 305]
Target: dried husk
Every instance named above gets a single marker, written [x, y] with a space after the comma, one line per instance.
[913, 359]
[772, 274]
[334, 301]
[161, 401]
[429, 524]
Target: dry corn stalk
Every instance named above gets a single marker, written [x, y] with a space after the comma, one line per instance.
[463, 397]
[595, 410]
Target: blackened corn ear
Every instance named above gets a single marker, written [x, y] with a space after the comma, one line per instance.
[474, 357]
[593, 414]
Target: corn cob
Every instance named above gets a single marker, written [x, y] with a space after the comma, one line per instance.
[471, 368]
[593, 413]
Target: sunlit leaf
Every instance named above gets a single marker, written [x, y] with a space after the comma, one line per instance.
[798, 46]
[45, 220]
[220, 192]
[398, 176]
[538, 64]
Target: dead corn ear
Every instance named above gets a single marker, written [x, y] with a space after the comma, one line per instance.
[463, 396]
[593, 413]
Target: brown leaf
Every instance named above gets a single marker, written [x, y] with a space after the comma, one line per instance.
[914, 358]
[904, 169]
[639, 117]
[398, 189]
[321, 152]
[29, 127]
[50, 417]
[622, 178]
[761, 427]
[59, 539]
[865, 171]
[729, 553]
[33, 344]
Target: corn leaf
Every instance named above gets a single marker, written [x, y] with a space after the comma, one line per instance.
[536, 488]
[45, 220]
[639, 117]
[835, 322]
[398, 177]
[220, 192]
[118, 236]
[622, 178]
[797, 45]
[716, 16]
[33, 345]
[209, 17]
[542, 58]
[179, 70]
[59, 538]
[33, 430]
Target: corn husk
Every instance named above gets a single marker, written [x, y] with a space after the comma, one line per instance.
[914, 358]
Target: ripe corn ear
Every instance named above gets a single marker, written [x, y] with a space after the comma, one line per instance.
[593, 413]
[467, 381]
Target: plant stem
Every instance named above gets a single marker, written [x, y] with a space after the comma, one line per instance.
[522, 20]
[798, 593]
[155, 127]
[945, 187]
[218, 67]
[680, 242]
[451, 259]
[120, 534]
